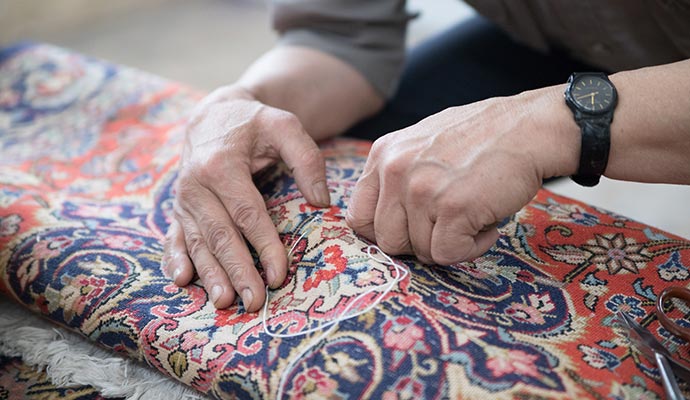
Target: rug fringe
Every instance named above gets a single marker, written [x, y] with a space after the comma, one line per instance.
[70, 360]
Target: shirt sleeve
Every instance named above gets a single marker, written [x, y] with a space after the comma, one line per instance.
[369, 35]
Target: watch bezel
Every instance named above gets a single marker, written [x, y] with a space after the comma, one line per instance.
[575, 106]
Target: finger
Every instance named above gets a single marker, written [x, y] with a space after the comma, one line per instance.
[484, 240]
[454, 240]
[175, 258]
[224, 239]
[390, 225]
[420, 228]
[305, 160]
[418, 200]
[249, 214]
[212, 276]
[362, 205]
[247, 211]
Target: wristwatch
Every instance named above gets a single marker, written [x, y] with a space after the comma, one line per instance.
[592, 98]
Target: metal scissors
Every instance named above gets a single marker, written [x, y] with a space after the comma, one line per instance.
[673, 292]
[655, 352]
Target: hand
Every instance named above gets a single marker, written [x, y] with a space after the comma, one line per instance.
[230, 137]
[437, 189]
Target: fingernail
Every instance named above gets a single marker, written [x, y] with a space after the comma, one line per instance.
[176, 273]
[247, 297]
[216, 292]
[321, 193]
[270, 276]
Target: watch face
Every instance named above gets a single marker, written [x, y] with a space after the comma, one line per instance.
[592, 93]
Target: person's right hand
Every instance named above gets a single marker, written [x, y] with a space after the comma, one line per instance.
[230, 137]
[439, 188]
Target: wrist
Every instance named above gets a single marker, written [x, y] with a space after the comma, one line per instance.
[592, 98]
[556, 135]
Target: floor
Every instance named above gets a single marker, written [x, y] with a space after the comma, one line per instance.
[208, 43]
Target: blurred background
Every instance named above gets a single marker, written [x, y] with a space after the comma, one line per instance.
[207, 43]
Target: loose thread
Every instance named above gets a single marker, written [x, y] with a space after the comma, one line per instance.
[400, 274]
[305, 232]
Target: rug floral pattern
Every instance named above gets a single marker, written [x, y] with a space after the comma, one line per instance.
[88, 154]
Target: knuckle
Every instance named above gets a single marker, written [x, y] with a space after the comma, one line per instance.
[206, 271]
[312, 157]
[447, 205]
[394, 169]
[237, 273]
[195, 244]
[420, 187]
[219, 238]
[246, 217]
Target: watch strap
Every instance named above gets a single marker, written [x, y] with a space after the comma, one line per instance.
[594, 150]
[595, 128]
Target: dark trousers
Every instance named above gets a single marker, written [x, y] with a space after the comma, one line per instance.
[472, 61]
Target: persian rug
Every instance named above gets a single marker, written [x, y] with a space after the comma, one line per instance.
[20, 381]
[88, 156]
[39, 360]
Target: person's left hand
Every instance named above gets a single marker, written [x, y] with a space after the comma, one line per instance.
[438, 188]
[218, 208]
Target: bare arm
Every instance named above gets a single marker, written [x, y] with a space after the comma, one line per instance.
[650, 134]
[326, 94]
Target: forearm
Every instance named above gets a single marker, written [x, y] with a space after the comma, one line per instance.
[650, 133]
[325, 93]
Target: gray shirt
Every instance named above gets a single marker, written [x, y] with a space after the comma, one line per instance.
[614, 35]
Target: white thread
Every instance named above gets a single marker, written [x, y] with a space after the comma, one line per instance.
[305, 232]
[401, 274]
